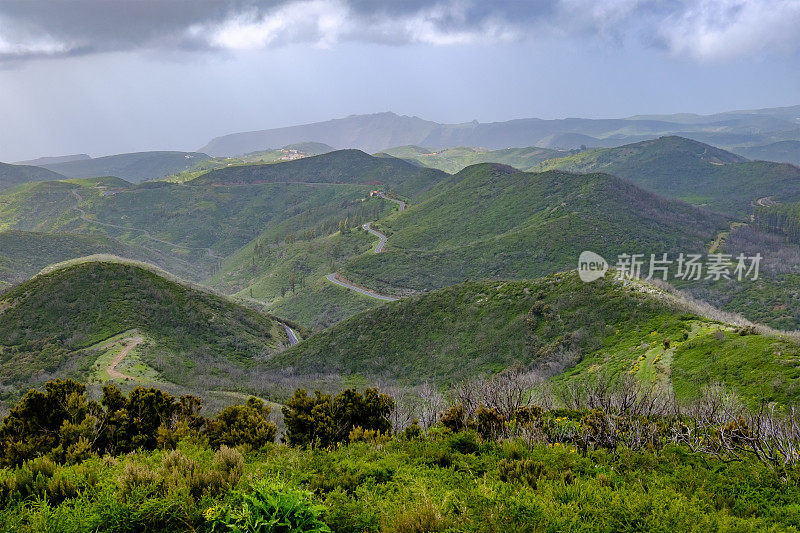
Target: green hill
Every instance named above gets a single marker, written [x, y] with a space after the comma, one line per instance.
[689, 170]
[342, 166]
[782, 152]
[56, 324]
[198, 224]
[550, 325]
[11, 175]
[495, 223]
[456, 159]
[38, 206]
[134, 167]
[23, 253]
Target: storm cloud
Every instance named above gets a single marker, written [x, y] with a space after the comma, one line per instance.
[699, 30]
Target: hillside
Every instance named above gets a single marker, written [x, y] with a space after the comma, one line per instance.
[23, 253]
[495, 223]
[381, 131]
[688, 170]
[781, 152]
[55, 324]
[455, 159]
[11, 175]
[39, 161]
[198, 224]
[549, 325]
[134, 167]
[342, 166]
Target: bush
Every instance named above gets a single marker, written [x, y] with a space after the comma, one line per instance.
[243, 425]
[269, 509]
[322, 420]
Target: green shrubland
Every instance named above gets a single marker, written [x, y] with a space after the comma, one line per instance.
[506, 464]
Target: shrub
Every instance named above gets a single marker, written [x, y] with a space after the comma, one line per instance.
[455, 418]
[269, 509]
[322, 420]
[239, 425]
[420, 519]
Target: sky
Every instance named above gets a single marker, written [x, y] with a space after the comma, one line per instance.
[103, 77]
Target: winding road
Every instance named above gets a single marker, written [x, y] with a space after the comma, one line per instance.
[291, 335]
[401, 204]
[382, 238]
[765, 201]
[379, 247]
[338, 280]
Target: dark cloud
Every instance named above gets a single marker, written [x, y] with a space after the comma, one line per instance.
[700, 29]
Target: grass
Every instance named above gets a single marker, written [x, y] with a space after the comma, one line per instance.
[132, 365]
[23, 253]
[455, 159]
[134, 167]
[11, 175]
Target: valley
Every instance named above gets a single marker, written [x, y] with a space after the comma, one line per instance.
[451, 266]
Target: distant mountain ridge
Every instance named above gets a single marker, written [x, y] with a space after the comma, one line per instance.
[380, 131]
[52, 160]
[689, 170]
[134, 167]
[11, 175]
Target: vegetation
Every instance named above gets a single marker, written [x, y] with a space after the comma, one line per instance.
[691, 171]
[11, 175]
[781, 152]
[24, 254]
[134, 167]
[549, 326]
[287, 153]
[493, 461]
[779, 218]
[51, 324]
[494, 223]
[342, 166]
[452, 160]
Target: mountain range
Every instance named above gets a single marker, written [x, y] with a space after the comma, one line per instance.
[381, 131]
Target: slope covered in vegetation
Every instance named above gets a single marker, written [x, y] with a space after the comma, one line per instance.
[455, 159]
[192, 338]
[495, 223]
[342, 166]
[550, 325]
[134, 167]
[689, 170]
[23, 253]
[11, 175]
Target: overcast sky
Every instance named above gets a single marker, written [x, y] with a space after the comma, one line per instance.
[103, 77]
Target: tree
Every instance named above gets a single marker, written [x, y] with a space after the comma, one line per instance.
[243, 424]
[34, 425]
[323, 420]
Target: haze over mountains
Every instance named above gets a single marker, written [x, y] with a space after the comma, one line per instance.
[380, 131]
